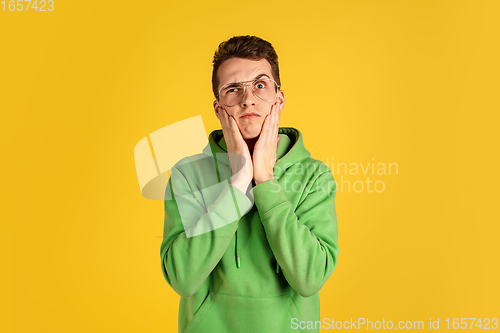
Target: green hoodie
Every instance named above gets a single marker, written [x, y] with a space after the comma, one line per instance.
[255, 261]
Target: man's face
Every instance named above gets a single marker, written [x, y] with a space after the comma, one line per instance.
[240, 70]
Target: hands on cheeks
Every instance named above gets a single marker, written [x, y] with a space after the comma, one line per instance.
[261, 168]
[242, 168]
[264, 154]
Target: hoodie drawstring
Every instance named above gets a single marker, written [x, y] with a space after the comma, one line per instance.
[238, 263]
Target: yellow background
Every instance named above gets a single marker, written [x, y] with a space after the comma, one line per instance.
[407, 82]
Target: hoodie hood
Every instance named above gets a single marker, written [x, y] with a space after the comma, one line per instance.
[290, 150]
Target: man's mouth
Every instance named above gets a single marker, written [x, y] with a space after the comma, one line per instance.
[250, 115]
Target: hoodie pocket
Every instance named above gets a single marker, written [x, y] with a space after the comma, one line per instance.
[201, 313]
[236, 313]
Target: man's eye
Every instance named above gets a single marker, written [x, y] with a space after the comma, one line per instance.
[232, 90]
[260, 85]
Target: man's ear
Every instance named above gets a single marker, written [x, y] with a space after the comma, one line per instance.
[281, 100]
[217, 108]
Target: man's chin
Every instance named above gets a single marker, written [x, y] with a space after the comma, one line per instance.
[252, 134]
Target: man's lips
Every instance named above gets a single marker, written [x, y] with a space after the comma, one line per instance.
[249, 115]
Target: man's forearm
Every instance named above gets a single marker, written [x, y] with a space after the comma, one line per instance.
[303, 241]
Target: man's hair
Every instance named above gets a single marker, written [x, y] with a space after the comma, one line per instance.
[246, 47]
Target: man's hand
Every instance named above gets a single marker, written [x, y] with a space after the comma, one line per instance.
[239, 155]
[264, 154]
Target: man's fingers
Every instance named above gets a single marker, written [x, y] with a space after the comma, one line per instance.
[269, 128]
[278, 114]
[230, 128]
[223, 116]
[265, 128]
[227, 127]
[274, 124]
[235, 128]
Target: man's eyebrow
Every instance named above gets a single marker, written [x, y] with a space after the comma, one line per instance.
[257, 77]
[233, 84]
[261, 75]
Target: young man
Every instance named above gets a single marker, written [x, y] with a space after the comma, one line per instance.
[250, 230]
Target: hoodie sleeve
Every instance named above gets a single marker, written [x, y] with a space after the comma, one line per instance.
[196, 236]
[304, 241]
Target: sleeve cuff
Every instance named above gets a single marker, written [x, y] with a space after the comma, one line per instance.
[268, 195]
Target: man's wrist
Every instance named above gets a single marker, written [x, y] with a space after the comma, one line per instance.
[241, 183]
[262, 180]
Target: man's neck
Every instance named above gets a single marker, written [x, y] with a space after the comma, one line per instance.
[251, 144]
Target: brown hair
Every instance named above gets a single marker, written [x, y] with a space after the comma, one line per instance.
[246, 47]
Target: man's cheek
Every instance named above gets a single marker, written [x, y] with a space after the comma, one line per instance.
[261, 124]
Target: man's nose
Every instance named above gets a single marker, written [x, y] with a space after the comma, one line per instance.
[248, 97]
